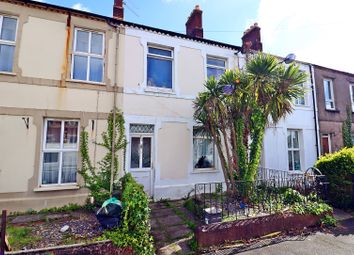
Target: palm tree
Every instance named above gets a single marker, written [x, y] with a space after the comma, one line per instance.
[260, 93]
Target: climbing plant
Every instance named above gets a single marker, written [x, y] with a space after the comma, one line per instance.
[347, 129]
[98, 180]
[236, 109]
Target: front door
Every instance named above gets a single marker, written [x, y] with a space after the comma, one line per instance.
[141, 156]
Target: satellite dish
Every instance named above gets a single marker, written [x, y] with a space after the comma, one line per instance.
[289, 58]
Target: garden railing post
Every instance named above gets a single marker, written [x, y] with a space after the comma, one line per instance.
[3, 231]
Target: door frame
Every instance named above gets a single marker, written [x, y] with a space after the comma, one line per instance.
[128, 154]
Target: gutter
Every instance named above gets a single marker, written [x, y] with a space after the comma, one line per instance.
[315, 110]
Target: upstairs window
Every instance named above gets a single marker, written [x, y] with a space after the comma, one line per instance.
[159, 67]
[203, 151]
[300, 101]
[60, 151]
[328, 92]
[351, 88]
[215, 67]
[8, 27]
[294, 150]
[88, 57]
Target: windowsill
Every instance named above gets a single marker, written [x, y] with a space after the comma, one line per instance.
[332, 110]
[87, 82]
[204, 170]
[8, 73]
[56, 188]
[159, 90]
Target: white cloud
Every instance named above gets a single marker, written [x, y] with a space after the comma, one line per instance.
[80, 7]
[317, 31]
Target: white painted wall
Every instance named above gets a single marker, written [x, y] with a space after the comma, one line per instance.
[172, 113]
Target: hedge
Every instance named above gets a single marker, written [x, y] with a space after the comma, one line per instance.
[135, 229]
[338, 167]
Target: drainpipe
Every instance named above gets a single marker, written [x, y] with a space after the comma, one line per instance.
[315, 110]
[115, 88]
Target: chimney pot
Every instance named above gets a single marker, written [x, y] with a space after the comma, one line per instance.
[118, 9]
[194, 25]
[252, 35]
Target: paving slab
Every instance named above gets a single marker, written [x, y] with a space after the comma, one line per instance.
[162, 212]
[177, 232]
[170, 220]
[341, 215]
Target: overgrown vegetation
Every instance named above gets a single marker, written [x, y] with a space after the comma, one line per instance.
[98, 181]
[20, 237]
[338, 168]
[235, 111]
[347, 129]
[135, 229]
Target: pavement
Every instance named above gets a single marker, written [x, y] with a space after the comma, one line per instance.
[339, 241]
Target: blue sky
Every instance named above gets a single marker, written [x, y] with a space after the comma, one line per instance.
[317, 31]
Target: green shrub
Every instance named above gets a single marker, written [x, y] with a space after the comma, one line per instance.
[329, 221]
[311, 207]
[338, 168]
[292, 196]
[135, 229]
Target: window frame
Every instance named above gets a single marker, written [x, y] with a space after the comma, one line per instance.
[329, 100]
[296, 100]
[213, 168]
[9, 43]
[58, 150]
[351, 93]
[161, 57]
[88, 55]
[214, 66]
[292, 149]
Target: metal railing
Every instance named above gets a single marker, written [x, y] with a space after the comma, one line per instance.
[267, 195]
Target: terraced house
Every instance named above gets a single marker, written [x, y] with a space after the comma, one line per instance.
[63, 70]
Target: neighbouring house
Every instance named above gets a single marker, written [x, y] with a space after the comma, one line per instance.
[335, 92]
[63, 70]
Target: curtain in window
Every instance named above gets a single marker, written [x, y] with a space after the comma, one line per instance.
[50, 171]
[8, 32]
[69, 167]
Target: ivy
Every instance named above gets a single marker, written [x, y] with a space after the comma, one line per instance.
[98, 180]
[135, 229]
[347, 129]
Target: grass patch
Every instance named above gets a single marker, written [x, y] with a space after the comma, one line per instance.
[20, 237]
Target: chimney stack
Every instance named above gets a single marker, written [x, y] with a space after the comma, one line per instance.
[118, 10]
[251, 39]
[194, 25]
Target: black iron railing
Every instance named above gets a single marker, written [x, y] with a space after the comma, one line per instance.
[216, 202]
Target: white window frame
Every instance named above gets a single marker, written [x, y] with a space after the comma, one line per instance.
[89, 55]
[214, 66]
[292, 149]
[60, 150]
[328, 136]
[298, 100]
[351, 92]
[6, 42]
[329, 100]
[213, 168]
[162, 57]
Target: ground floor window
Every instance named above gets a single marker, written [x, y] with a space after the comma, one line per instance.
[325, 144]
[203, 151]
[294, 150]
[60, 151]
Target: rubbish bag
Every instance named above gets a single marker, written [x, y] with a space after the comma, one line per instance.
[109, 215]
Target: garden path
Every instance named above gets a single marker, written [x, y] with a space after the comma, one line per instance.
[171, 227]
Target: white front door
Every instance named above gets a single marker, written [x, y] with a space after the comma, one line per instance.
[141, 158]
